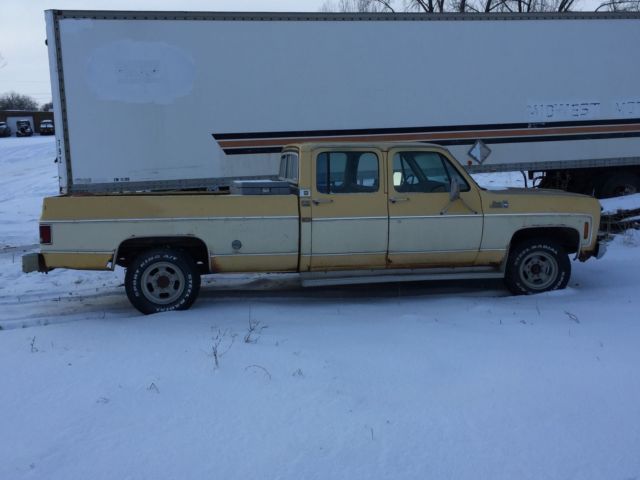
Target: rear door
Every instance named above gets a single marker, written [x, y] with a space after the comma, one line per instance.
[349, 209]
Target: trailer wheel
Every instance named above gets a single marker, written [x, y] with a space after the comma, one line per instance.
[536, 266]
[621, 183]
[162, 280]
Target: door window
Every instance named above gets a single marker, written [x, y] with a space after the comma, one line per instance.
[347, 172]
[424, 172]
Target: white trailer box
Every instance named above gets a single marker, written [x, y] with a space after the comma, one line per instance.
[153, 100]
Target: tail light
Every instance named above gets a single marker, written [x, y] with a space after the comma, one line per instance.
[586, 230]
[45, 234]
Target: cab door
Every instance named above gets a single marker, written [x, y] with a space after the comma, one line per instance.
[349, 221]
[426, 229]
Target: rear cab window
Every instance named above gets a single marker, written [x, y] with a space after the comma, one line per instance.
[347, 172]
[289, 167]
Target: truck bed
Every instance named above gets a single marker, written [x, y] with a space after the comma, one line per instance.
[270, 242]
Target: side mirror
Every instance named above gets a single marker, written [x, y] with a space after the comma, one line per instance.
[454, 190]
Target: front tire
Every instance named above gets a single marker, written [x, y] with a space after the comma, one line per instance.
[536, 266]
[619, 184]
[162, 280]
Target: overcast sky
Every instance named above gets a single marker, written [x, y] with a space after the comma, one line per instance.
[24, 64]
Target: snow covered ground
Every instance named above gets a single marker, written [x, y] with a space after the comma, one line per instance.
[613, 205]
[421, 381]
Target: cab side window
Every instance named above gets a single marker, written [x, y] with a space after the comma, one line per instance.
[289, 167]
[347, 172]
[424, 172]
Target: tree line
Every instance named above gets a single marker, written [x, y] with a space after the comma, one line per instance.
[17, 101]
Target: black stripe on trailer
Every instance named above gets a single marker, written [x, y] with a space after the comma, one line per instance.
[446, 143]
[432, 129]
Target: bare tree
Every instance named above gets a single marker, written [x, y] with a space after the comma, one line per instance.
[428, 6]
[17, 101]
[490, 6]
[47, 107]
[360, 6]
[619, 6]
[462, 6]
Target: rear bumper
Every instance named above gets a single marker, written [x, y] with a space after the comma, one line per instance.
[34, 262]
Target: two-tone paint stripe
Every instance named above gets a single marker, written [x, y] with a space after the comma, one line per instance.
[272, 142]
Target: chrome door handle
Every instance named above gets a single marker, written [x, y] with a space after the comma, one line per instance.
[318, 201]
[398, 199]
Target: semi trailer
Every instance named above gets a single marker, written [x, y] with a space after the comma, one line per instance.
[165, 101]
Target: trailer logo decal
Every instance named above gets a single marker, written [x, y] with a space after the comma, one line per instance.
[140, 72]
[628, 108]
[541, 112]
[272, 142]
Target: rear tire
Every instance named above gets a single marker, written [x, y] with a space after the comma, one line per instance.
[619, 184]
[536, 266]
[162, 280]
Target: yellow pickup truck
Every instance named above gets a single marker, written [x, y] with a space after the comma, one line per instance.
[338, 214]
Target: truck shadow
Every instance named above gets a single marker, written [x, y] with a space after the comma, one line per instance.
[263, 287]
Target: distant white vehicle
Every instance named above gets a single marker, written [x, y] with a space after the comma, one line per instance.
[554, 95]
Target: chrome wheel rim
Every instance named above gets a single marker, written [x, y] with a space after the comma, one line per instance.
[538, 270]
[162, 283]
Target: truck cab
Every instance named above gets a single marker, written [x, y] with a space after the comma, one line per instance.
[46, 127]
[412, 206]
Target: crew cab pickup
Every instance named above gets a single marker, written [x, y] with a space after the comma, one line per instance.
[339, 213]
